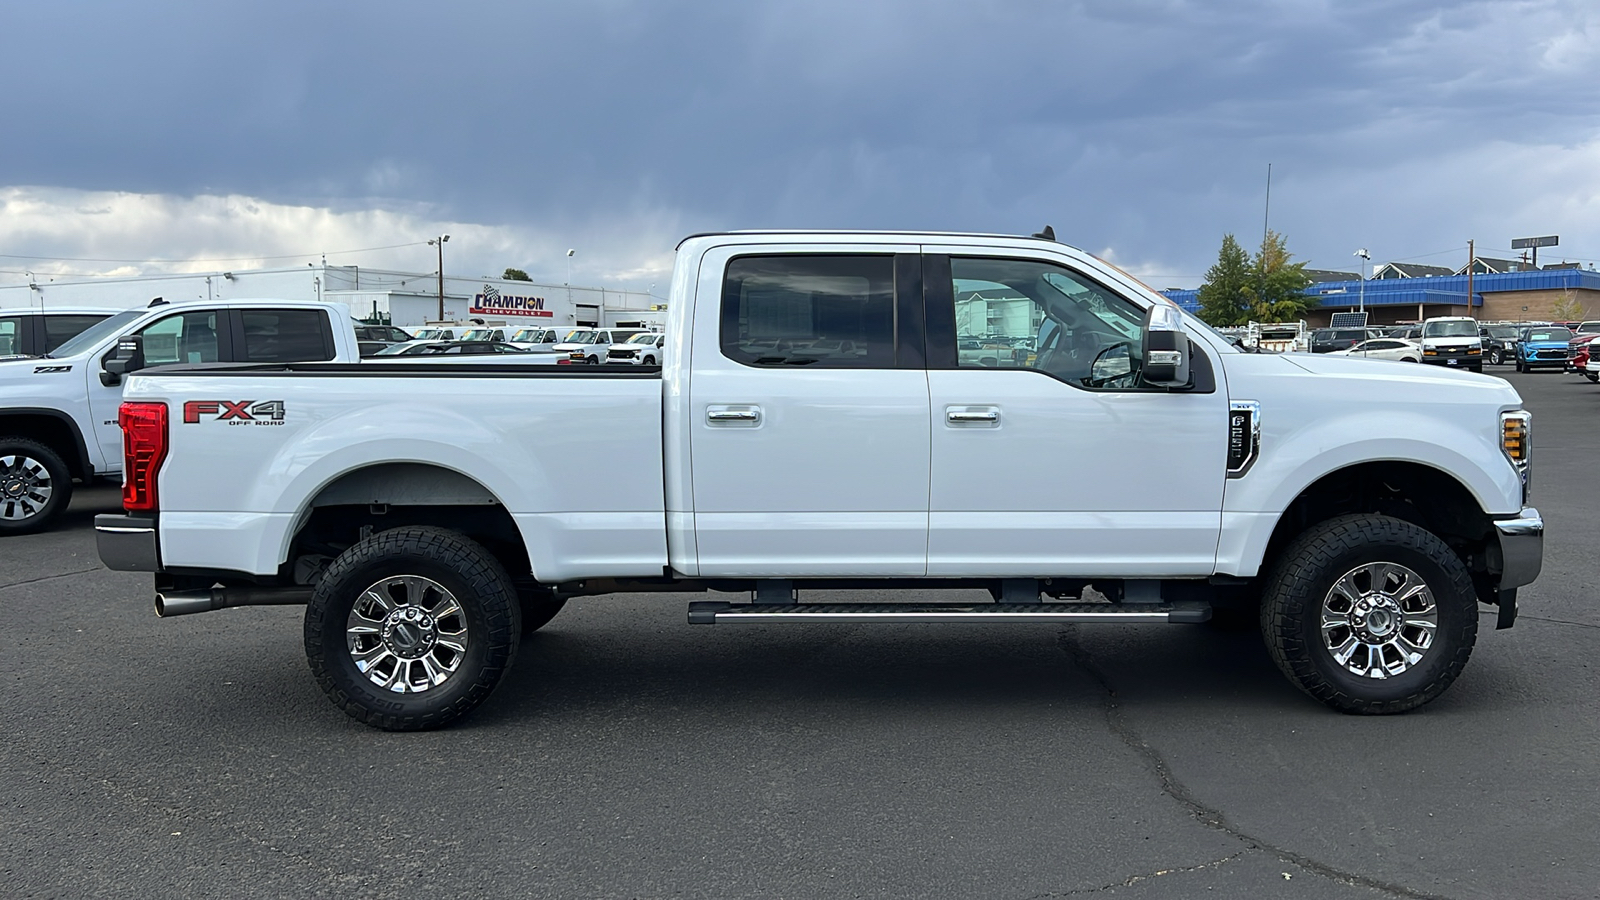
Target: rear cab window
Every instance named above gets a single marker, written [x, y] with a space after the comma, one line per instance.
[816, 310]
[285, 335]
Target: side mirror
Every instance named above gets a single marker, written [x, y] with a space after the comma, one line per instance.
[128, 358]
[1165, 347]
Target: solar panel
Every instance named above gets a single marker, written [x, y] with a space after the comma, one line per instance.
[1349, 320]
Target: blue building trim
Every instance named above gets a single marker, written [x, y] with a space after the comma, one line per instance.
[1441, 289]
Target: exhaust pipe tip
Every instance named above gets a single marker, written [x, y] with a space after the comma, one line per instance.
[183, 603]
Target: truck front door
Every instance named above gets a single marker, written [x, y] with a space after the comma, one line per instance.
[809, 417]
[1049, 455]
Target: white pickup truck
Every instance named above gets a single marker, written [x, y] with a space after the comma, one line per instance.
[815, 426]
[58, 412]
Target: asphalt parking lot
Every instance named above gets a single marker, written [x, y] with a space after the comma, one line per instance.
[632, 755]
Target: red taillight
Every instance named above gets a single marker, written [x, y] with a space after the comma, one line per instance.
[144, 448]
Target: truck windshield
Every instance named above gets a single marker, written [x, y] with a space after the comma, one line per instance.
[580, 337]
[1463, 328]
[90, 336]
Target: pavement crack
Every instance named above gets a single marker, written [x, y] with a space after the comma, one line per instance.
[1132, 880]
[49, 577]
[1522, 616]
[1209, 816]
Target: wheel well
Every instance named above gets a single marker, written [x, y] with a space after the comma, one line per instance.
[54, 432]
[393, 495]
[1416, 493]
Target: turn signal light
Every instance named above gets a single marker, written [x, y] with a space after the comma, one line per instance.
[144, 449]
[1514, 436]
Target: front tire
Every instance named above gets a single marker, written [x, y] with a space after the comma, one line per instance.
[35, 486]
[1495, 357]
[1370, 614]
[412, 628]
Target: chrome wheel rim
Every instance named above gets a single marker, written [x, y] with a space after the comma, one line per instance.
[25, 487]
[407, 634]
[1379, 620]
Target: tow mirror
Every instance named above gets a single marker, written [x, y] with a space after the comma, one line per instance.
[1165, 347]
[128, 358]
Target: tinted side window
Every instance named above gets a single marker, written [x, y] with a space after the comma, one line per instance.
[10, 335]
[60, 329]
[285, 335]
[182, 338]
[811, 310]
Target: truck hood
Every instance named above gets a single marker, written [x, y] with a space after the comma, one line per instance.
[1451, 342]
[1381, 379]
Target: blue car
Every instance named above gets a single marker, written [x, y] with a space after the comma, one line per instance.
[1542, 346]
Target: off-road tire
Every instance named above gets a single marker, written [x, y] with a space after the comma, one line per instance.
[1292, 609]
[60, 485]
[482, 589]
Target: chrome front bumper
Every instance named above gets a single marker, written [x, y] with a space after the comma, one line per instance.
[1521, 548]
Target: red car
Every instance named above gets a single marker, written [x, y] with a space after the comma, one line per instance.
[1578, 356]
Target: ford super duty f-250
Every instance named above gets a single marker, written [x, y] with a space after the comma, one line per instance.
[845, 410]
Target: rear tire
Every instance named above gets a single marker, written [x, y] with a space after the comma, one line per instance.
[1370, 614]
[35, 486]
[412, 628]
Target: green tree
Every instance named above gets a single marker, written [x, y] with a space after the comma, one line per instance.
[515, 275]
[1224, 298]
[1277, 287]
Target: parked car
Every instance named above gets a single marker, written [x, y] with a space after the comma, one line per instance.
[1542, 347]
[1327, 340]
[1405, 332]
[427, 519]
[1579, 353]
[484, 334]
[388, 334]
[37, 332]
[1452, 341]
[373, 348]
[58, 415]
[450, 348]
[592, 343]
[1498, 342]
[542, 339]
[1384, 348]
[639, 350]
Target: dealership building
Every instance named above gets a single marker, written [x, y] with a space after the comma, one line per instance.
[1398, 293]
[406, 299]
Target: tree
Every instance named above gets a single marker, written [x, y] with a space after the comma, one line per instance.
[1567, 308]
[1223, 298]
[515, 275]
[1277, 287]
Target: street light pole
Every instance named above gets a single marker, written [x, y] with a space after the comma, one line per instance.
[1365, 257]
[439, 242]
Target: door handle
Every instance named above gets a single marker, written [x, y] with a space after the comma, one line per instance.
[972, 415]
[733, 415]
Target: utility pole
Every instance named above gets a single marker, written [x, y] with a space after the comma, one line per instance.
[439, 242]
[1472, 263]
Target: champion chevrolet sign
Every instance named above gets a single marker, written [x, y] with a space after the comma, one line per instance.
[492, 302]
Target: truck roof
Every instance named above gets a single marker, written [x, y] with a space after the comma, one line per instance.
[913, 236]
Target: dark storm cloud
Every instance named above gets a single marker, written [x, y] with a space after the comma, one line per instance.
[1140, 126]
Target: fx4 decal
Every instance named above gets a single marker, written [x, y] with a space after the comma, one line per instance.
[241, 412]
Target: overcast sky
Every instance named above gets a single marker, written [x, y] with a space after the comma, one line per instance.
[166, 136]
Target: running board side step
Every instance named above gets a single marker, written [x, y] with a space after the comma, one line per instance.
[712, 612]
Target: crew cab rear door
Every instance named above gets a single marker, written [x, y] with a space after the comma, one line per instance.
[809, 416]
[1049, 457]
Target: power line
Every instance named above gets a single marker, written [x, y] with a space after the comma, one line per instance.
[208, 259]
